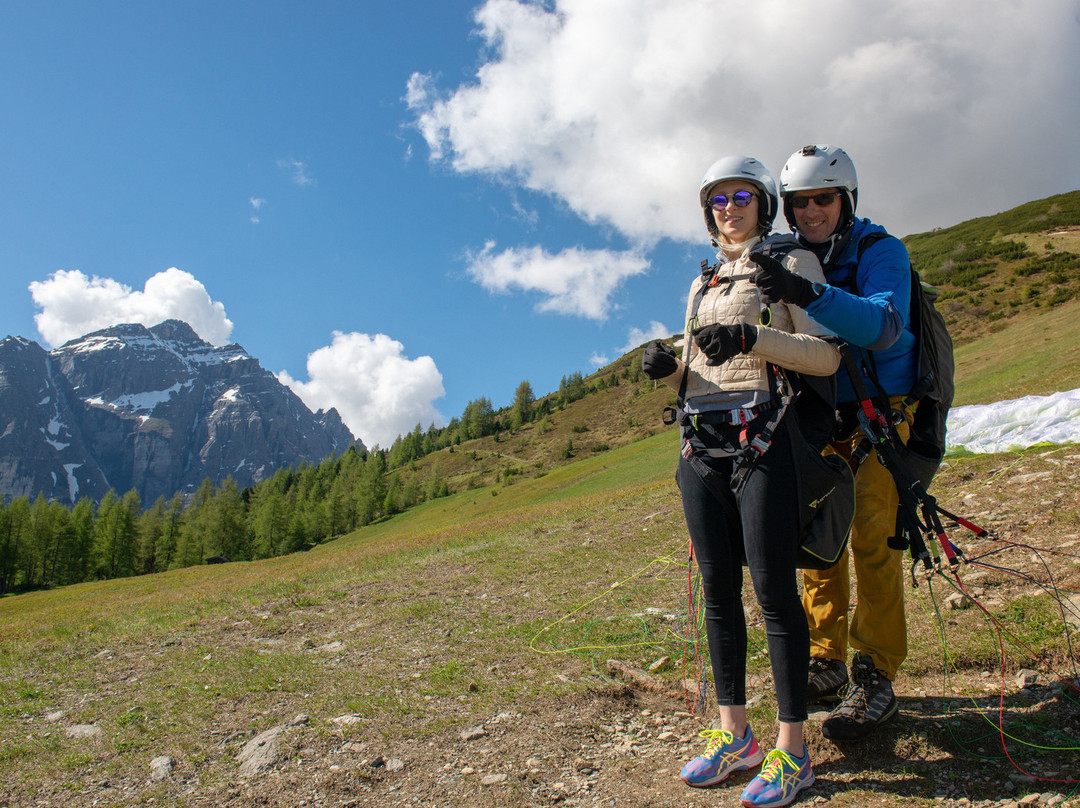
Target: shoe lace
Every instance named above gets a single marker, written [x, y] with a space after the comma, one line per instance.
[855, 701]
[864, 672]
[716, 738]
[775, 764]
[864, 676]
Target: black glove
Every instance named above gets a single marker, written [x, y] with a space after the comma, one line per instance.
[658, 360]
[721, 342]
[778, 283]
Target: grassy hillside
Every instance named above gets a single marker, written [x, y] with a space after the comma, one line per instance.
[994, 268]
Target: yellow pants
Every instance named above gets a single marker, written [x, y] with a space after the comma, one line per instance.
[878, 625]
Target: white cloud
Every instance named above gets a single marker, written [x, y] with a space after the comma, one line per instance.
[73, 305]
[379, 392]
[298, 172]
[575, 281]
[638, 337]
[598, 360]
[256, 202]
[616, 107]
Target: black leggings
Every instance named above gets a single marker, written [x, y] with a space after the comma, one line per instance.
[760, 525]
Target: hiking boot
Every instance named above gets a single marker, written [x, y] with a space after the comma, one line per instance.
[827, 679]
[781, 779]
[723, 755]
[869, 701]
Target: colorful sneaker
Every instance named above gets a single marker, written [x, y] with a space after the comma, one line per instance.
[869, 701]
[723, 755]
[781, 779]
[827, 678]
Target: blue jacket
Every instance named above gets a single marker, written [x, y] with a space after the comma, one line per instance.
[875, 314]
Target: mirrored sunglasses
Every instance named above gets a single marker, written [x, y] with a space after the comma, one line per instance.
[740, 198]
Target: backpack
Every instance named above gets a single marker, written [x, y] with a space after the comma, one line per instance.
[934, 386]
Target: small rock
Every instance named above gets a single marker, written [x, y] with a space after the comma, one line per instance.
[300, 720]
[53, 717]
[161, 767]
[1030, 799]
[331, 647]
[376, 762]
[473, 733]
[1020, 479]
[346, 720]
[1055, 799]
[261, 752]
[83, 731]
[467, 770]
[395, 765]
[660, 664]
[957, 601]
[1026, 678]
[493, 779]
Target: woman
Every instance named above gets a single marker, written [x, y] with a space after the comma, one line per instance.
[737, 471]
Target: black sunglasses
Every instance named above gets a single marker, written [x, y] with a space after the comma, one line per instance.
[740, 198]
[822, 200]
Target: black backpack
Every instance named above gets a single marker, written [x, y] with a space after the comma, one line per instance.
[934, 386]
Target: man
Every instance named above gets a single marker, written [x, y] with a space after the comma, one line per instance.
[866, 302]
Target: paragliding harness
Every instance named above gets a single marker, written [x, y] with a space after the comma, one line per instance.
[932, 394]
[918, 512]
[911, 465]
[826, 487]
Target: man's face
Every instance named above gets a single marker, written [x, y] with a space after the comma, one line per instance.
[816, 220]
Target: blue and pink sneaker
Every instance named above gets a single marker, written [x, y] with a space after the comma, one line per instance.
[723, 755]
[780, 780]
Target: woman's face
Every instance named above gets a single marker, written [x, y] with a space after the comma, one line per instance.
[734, 223]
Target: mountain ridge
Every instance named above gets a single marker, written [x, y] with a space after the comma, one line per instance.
[155, 409]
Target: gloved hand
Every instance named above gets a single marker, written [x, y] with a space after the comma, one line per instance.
[721, 342]
[658, 360]
[777, 282]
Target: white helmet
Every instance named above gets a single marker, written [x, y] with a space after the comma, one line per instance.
[740, 167]
[813, 167]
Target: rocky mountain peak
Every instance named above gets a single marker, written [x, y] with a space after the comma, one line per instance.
[156, 409]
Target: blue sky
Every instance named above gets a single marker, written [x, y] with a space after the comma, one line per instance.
[404, 207]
